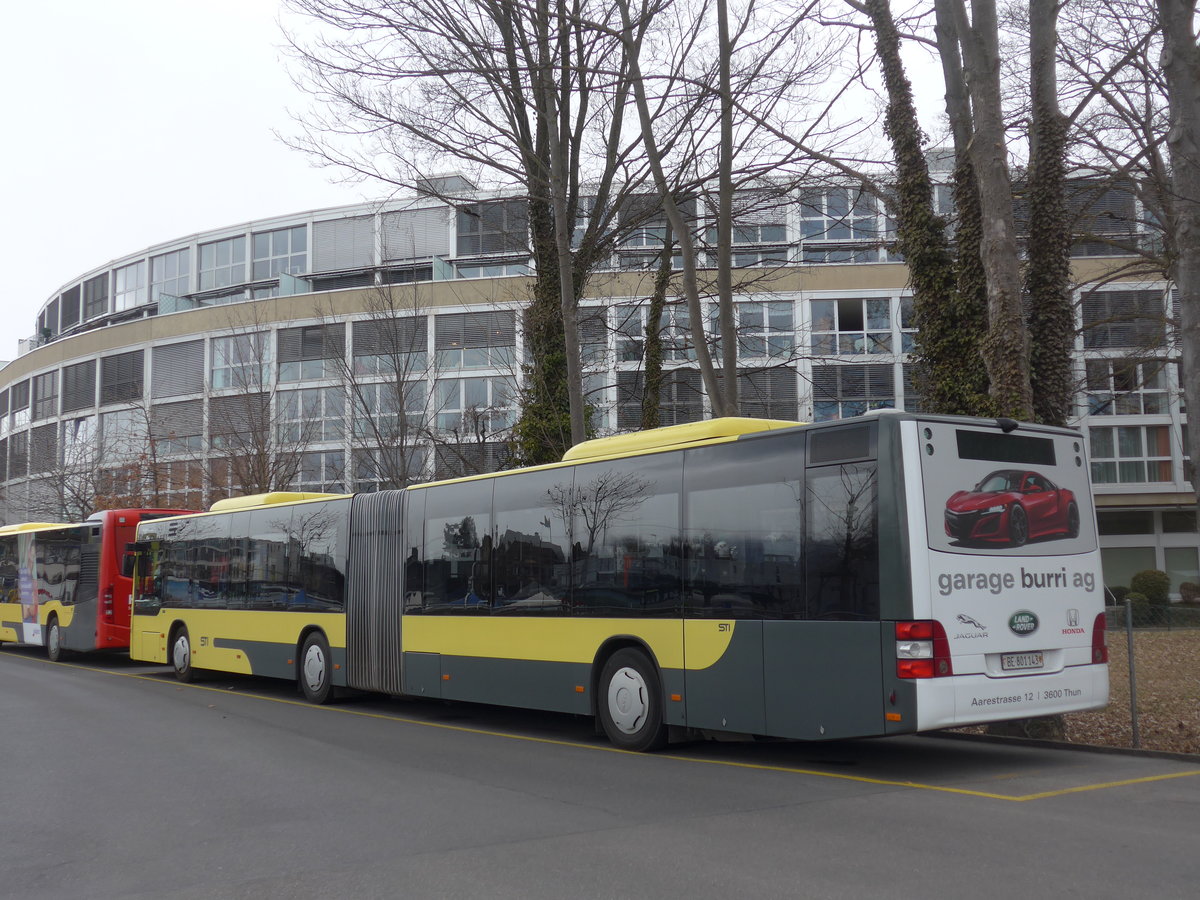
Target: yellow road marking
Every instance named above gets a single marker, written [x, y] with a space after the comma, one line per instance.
[790, 770]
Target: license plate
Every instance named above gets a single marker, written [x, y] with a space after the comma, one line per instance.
[1010, 661]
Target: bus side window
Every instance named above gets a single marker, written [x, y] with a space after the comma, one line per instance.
[317, 555]
[625, 537]
[744, 529]
[458, 549]
[533, 546]
[842, 546]
[147, 589]
[129, 558]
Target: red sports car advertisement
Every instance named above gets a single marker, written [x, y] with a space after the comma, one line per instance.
[1018, 493]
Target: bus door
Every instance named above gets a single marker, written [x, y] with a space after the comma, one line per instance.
[823, 671]
[741, 570]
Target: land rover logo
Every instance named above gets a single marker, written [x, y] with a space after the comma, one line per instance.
[1023, 622]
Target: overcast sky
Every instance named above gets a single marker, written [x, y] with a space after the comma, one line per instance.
[133, 122]
[138, 121]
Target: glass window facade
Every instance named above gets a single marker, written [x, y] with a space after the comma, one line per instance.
[281, 250]
[1130, 454]
[129, 286]
[170, 274]
[474, 406]
[222, 263]
[311, 414]
[852, 327]
[841, 391]
[95, 296]
[1124, 387]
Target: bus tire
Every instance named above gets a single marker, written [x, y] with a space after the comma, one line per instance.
[54, 647]
[1018, 526]
[630, 702]
[181, 655]
[316, 669]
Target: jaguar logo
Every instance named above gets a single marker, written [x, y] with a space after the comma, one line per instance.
[1023, 623]
[967, 620]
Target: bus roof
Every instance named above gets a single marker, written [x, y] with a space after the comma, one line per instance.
[33, 526]
[672, 436]
[252, 501]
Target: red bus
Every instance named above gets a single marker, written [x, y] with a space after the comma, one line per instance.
[67, 587]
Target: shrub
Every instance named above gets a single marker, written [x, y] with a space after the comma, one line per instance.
[1119, 593]
[1143, 615]
[1153, 584]
[1189, 591]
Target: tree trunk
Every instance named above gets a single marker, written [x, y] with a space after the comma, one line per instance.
[964, 324]
[1006, 346]
[632, 41]
[943, 339]
[726, 403]
[653, 356]
[1181, 66]
[1048, 277]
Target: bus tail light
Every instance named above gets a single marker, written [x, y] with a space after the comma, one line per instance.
[108, 602]
[1099, 644]
[922, 650]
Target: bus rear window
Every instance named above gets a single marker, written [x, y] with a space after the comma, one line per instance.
[1008, 448]
[839, 444]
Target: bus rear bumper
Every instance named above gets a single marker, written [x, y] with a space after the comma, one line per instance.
[976, 699]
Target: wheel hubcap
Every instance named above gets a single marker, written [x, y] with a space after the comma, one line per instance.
[52, 640]
[182, 653]
[314, 668]
[627, 700]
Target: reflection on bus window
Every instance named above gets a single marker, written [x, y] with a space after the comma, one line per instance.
[843, 543]
[744, 530]
[626, 545]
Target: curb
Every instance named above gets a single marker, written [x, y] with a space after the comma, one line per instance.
[1063, 745]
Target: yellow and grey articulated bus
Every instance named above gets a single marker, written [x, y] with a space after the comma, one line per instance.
[882, 575]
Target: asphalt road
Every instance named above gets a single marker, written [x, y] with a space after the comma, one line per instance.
[119, 782]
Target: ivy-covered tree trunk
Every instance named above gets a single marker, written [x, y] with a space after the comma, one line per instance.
[653, 357]
[542, 433]
[1181, 65]
[1048, 275]
[964, 321]
[948, 331]
[1006, 345]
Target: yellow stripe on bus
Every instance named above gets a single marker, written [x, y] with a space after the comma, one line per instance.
[207, 626]
[567, 640]
[66, 614]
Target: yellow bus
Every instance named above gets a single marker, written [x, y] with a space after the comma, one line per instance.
[881, 575]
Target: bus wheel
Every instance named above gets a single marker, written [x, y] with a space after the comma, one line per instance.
[1018, 526]
[54, 648]
[315, 669]
[631, 703]
[181, 655]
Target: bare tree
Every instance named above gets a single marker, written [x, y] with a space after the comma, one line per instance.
[711, 118]
[130, 457]
[259, 430]
[532, 95]
[387, 377]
